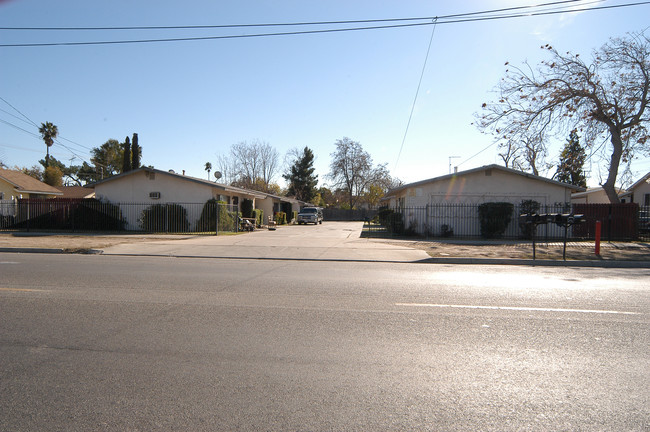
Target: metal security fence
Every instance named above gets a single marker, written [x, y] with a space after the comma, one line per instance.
[90, 215]
[618, 222]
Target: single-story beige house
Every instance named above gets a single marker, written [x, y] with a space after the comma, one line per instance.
[15, 185]
[429, 204]
[595, 195]
[146, 186]
[639, 192]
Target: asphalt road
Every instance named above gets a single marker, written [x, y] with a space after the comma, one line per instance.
[160, 343]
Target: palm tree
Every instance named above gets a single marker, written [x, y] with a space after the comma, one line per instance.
[48, 132]
[208, 168]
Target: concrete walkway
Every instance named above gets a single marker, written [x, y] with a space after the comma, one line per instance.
[334, 241]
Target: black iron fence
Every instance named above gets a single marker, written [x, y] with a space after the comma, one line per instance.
[90, 215]
[618, 221]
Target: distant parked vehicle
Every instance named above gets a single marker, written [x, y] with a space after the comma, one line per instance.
[310, 215]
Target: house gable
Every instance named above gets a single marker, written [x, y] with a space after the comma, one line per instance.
[486, 184]
[640, 191]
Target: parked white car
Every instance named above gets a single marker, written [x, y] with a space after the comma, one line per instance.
[310, 215]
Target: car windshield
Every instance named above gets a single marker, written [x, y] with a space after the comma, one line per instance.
[309, 210]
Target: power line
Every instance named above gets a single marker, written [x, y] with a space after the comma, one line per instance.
[426, 21]
[313, 23]
[473, 156]
[417, 92]
[16, 109]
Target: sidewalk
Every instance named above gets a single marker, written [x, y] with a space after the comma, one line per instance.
[339, 242]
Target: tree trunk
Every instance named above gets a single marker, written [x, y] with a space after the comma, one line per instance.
[617, 151]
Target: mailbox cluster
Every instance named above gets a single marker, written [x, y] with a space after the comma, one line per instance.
[563, 220]
[556, 218]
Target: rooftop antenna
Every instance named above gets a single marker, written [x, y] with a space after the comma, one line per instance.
[450, 158]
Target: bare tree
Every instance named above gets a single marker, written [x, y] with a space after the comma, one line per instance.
[510, 154]
[251, 165]
[534, 153]
[269, 160]
[225, 166]
[352, 171]
[607, 98]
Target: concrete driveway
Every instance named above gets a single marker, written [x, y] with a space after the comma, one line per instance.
[333, 241]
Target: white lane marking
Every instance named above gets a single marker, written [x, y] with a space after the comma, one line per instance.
[23, 289]
[518, 308]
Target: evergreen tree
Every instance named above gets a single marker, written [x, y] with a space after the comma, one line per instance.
[126, 167]
[572, 159]
[136, 152]
[301, 178]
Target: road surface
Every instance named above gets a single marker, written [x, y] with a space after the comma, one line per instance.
[160, 343]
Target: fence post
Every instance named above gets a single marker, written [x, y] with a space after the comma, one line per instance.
[597, 251]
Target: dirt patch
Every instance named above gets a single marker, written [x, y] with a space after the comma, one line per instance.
[74, 243]
[544, 251]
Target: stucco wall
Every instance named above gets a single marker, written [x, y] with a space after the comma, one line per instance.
[596, 196]
[7, 191]
[136, 188]
[265, 205]
[486, 186]
[132, 191]
[429, 206]
[640, 192]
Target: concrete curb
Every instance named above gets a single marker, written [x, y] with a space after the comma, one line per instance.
[538, 263]
[32, 250]
[49, 250]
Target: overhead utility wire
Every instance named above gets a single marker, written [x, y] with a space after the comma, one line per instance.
[218, 26]
[29, 121]
[295, 33]
[18, 111]
[417, 92]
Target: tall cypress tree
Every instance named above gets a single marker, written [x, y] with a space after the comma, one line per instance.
[572, 159]
[136, 152]
[126, 166]
[301, 178]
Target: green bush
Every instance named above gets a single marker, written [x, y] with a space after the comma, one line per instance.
[281, 218]
[225, 217]
[494, 218]
[259, 217]
[164, 218]
[391, 220]
[213, 209]
[207, 221]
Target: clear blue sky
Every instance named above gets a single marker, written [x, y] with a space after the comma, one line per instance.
[189, 101]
